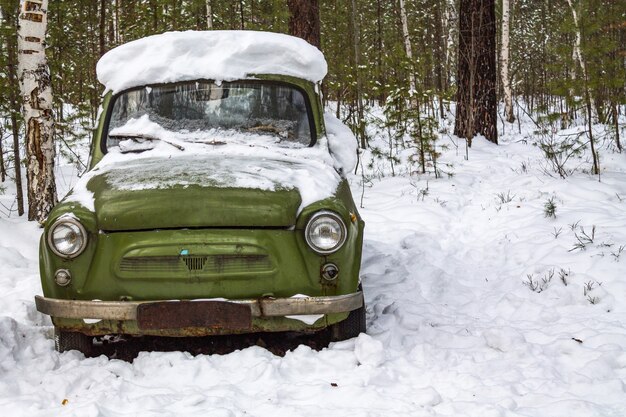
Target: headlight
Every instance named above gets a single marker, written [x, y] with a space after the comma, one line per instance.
[325, 233]
[67, 237]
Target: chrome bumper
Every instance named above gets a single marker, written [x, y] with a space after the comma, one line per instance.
[263, 307]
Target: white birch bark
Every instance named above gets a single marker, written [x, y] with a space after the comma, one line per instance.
[34, 80]
[407, 45]
[578, 56]
[450, 14]
[505, 61]
[209, 15]
[116, 22]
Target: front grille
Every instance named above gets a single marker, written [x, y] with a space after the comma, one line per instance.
[195, 263]
[183, 266]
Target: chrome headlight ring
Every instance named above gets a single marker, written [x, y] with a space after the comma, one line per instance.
[70, 232]
[325, 232]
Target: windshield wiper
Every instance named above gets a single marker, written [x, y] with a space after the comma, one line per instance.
[135, 136]
[212, 142]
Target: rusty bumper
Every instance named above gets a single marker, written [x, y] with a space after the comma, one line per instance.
[263, 307]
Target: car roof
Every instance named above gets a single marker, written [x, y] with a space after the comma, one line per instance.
[217, 55]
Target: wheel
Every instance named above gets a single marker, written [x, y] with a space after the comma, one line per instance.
[65, 341]
[350, 327]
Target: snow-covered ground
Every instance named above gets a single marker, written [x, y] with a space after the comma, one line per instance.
[454, 328]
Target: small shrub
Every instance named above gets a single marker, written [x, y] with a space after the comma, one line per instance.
[505, 198]
[558, 150]
[617, 254]
[540, 284]
[574, 225]
[589, 286]
[549, 208]
[583, 239]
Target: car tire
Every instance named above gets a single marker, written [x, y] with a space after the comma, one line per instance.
[351, 327]
[65, 341]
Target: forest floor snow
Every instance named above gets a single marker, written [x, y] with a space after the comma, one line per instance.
[454, 327]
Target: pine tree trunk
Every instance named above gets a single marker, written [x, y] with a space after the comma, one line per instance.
[34, 80]
[15, 109]
[102, 27]
[476, 111]
[505, 61]
[449, 15]
[616, 125]
[17, 162]
[356, 41]
[596, 163]
[380, 52]
[241, 15]
[304, 20]
[3, 171]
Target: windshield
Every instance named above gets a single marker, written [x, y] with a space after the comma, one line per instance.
[207, 112]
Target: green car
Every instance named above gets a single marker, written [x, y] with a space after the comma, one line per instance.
[212, 205]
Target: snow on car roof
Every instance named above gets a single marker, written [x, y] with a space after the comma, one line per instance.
[217, 55]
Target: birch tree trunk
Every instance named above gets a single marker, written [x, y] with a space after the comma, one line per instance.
[34, 78]
[505, 61]
[578, 56]
[407, 45]
[209, 15]
[440, 56]
[591, 106]
[116, 22]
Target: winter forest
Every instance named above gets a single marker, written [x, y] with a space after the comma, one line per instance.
[559, 64]
[490, 174]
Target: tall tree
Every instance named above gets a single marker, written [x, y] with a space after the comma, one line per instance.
[102, 28]
[11, 92]
[505, 61]
[407, 46]
[476, 110]
[356, 42]
[304, 20]
[3, 171]
[209, 15]
[36, 92]
[440, 55]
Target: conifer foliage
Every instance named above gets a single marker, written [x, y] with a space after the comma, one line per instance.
[422, 61]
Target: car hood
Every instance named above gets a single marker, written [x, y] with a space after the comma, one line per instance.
[197, 191]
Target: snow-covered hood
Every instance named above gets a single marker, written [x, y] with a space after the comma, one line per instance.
[202, 190]
[154, 193]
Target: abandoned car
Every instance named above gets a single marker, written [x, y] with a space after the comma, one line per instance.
[215, 201]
